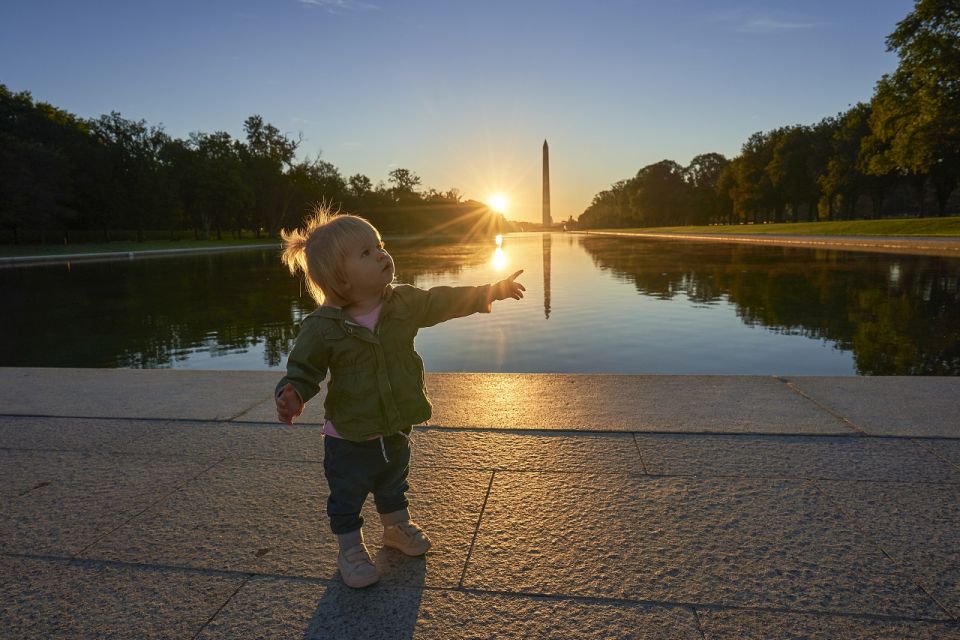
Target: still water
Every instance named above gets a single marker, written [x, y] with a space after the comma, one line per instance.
[593, 304]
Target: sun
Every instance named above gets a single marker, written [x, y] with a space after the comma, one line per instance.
[498, 202]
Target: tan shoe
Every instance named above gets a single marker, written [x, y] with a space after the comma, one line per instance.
[356, 567]
[408, 537]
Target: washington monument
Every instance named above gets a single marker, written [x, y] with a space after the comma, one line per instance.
[547, 220]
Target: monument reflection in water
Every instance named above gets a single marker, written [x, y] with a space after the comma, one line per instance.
[547, 239]
[608, 305]
[499, 261]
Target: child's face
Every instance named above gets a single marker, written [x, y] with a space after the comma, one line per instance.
[367, 266]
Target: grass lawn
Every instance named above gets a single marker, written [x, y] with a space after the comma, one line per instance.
[14, 250]
[894, 227]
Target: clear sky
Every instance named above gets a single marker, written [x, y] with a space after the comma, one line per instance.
[462, 93]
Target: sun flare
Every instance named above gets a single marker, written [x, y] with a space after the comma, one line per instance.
[498, 202]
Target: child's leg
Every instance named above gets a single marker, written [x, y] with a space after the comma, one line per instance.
[390, 497]
[390, 486]
[350, 475]
[350, 478]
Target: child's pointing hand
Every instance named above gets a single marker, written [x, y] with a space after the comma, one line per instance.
[507, 288]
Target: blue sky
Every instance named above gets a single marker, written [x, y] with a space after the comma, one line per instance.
[462, 93]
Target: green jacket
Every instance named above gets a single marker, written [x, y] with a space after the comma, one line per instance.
[376, 383]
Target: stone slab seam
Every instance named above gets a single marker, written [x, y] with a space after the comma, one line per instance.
[249, 409]
[678, 604]
[74, 561]
[736, 476]
[518, 430]
[500, 430]
[636, 444]
[652, 432]
[220, 608]
[137, 454]
[476, 530]
[230, 459]
[594, 472]
[696, 619]
[855, 524]
[149, 506]
[843, 419]
[114, 418]
[247, 577]
[935, 453]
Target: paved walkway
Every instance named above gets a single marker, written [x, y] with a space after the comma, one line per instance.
[916, 245]
[168, 504]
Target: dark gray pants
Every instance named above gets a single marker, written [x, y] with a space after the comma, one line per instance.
[356, 469]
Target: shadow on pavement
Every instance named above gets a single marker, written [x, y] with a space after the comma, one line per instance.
[388, 609]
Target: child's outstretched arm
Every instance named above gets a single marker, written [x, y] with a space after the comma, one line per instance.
[439, 304]
[506, 288]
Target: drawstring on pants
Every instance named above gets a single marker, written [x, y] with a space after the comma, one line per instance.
[383, 447]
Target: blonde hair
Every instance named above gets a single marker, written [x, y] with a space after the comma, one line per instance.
[319, 249]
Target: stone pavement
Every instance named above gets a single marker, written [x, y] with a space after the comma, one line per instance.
[142, 504]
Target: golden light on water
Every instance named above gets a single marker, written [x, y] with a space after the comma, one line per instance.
[499, 240]
[499, 259]
[498, 202]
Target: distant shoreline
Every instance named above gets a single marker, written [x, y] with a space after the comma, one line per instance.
[134, 254]
[943, 246]
[948, 247]
[110, 256]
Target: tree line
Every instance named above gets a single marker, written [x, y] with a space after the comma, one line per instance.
[99, 179]
[898, 152]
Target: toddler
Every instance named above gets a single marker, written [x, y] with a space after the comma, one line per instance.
[363, 333]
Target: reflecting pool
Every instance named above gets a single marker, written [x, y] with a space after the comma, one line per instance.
[593, 304]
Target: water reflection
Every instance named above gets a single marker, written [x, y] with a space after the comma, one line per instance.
[499, 259]
[897, 315]
[229, 310]
[620, 306]
[547, 239]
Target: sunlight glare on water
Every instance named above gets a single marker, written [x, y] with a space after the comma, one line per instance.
[499, 259]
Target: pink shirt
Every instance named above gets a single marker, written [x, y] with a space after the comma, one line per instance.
[368, 320]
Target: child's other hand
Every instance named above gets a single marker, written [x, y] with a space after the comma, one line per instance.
[289, 404]
[507, 288]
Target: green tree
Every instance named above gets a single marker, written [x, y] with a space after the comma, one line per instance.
[753, 193]
[404, 184]
[916, 110]
[316, 181]
[608, 209]
[268, 154]
[800, 156]
[660, 195]
[876, 163]
[726, 186]
[703, 175]
[360, 186]
[223, 196]
[141, 196]
[842, 180]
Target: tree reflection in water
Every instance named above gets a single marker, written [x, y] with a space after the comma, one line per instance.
[150, 313]
[896, 314]
[899, 315]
